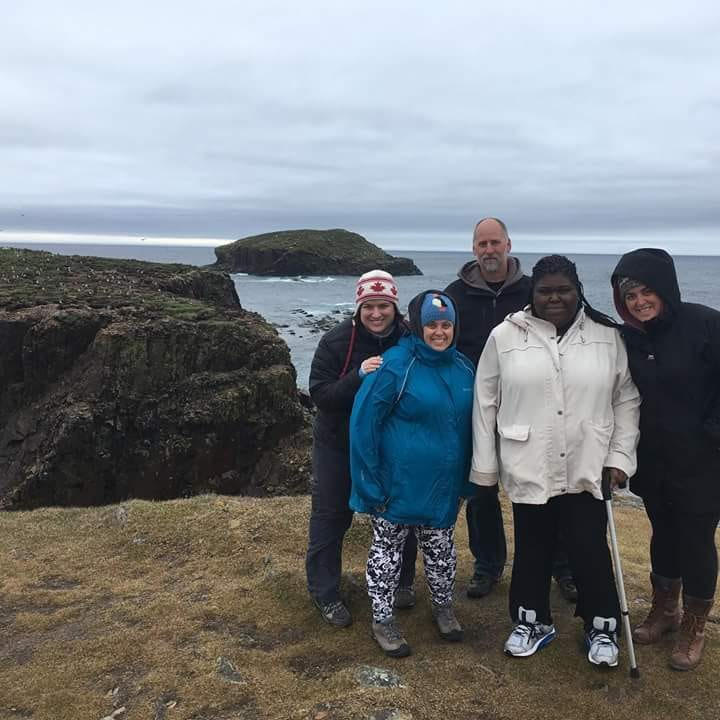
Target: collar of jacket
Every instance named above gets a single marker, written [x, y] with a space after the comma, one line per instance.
[471, 275]
[425, 354]
[398, 330]
[545, 331]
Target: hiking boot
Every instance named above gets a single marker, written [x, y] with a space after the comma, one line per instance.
[665, 614]
[568, 588]
[334, 613]
[446, 622]
[687, 653]
[480, 585]
[601, 642]
[529, 636]
[389, 638]
[404, 598]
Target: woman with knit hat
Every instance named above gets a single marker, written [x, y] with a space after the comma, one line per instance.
[410, 445]
[674, 353]
[346, 354]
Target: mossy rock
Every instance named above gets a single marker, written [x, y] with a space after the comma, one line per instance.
[121, 378]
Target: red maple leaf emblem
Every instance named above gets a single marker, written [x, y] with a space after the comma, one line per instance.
[377, 287]
[360, 290]
[393, 290]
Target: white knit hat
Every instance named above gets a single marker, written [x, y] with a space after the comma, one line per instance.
[376, 285]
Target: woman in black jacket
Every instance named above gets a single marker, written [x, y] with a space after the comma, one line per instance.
[344, 356]
[674, 354]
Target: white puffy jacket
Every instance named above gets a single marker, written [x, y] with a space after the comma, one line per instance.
[549, 415]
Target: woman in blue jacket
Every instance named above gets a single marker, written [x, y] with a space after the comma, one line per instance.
[410, 449]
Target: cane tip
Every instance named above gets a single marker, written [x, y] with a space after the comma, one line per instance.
[634, 673]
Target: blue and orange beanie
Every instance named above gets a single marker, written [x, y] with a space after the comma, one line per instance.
[436, 307]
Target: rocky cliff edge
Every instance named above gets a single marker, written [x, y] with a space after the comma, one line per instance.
[121, 378]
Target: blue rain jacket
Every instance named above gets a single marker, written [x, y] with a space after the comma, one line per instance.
[411, 436]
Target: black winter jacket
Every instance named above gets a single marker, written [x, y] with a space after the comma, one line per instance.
[480, 308]
[675, 363]
[334, 395]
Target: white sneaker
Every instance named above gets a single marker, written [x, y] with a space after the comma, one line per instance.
[529, 636]
[601, 641]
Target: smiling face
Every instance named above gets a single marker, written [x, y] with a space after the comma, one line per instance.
[555, 299]
[438, 334]
[643, 303]
[377, 315]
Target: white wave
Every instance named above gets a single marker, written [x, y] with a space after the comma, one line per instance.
[299, 278]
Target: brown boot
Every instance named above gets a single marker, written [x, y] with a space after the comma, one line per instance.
[664, 615]
[688, 649]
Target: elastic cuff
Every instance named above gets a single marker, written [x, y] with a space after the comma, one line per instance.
[481, 478]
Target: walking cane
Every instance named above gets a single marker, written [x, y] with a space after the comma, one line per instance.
[607, 496]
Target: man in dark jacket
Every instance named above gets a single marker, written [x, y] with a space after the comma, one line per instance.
[490, 288]
[344, 356]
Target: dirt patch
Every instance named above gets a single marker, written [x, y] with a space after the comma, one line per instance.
[249, 636]
[318, 665]
[57, 582]
[243, 710]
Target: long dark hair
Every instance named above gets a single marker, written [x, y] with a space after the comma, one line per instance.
[551, 264]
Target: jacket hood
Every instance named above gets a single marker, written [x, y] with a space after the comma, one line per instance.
[655, 269]
[470, 274]
[414, 314]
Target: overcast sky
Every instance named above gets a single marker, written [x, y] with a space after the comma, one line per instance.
[397, 120]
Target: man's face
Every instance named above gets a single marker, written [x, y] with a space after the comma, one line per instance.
[491, 248]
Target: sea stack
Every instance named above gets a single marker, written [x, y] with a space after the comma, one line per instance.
[309, 252]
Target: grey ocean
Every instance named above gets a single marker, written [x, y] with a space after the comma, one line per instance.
[284, 301]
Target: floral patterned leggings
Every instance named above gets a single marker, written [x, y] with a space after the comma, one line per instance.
[385, 556]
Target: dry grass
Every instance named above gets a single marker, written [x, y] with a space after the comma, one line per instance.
[197, 609]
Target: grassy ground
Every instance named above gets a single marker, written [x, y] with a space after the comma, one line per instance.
[197, 609]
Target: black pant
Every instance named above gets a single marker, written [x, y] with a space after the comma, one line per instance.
[683, 546]
[486, 535]
[330, 519]
[583, 521]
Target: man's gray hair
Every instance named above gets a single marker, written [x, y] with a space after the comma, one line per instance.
[498, 221]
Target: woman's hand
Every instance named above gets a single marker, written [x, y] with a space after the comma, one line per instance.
[371, 364]
[618, 479]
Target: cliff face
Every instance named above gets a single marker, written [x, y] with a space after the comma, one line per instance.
[309, 252]
[127, 379]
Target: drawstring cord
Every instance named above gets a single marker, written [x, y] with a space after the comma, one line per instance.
[350, 349]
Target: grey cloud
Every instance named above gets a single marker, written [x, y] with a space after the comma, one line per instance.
[240, 117]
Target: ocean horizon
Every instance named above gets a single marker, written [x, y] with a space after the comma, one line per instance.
[696, 242]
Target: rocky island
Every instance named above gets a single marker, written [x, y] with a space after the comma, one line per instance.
[121, 378]
[309, 252]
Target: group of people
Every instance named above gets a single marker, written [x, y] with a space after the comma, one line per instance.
[507, 380]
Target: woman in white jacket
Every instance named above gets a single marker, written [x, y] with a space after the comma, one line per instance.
[554, 408]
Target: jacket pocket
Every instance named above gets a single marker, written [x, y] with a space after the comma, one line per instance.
[517, 455]
[515, 432]
[591, 452]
